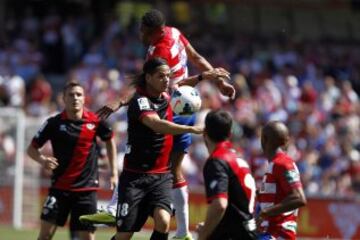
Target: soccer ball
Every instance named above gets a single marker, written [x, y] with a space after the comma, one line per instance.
[185, 100]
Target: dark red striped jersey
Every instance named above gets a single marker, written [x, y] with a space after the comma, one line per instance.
[74, 145]
[147, 151]
[228, 176]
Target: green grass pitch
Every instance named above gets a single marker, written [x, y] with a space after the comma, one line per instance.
[9, 233]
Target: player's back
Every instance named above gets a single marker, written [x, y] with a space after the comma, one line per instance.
[171, 47]
[241, 187]
[240, 191]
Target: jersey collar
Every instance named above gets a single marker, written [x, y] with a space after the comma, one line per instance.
[279, 153]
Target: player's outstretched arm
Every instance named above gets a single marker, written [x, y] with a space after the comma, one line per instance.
[202, 64]
[208, 75]
[196, 59]
[225, 87]
[105, 111]
[165, 127]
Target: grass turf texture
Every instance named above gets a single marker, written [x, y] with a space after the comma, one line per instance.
[9, 233]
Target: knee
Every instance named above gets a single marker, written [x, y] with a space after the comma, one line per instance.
[122, 236]
[162, 226]
[176, 159]
[177, 174]
[162, 222]
[176, 167]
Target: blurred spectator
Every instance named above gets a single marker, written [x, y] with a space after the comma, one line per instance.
[15, 88]
[40, 94]
[52, 43]
[71, 42]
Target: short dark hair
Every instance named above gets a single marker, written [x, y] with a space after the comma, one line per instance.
[149, 67]
[218, 125]
[153, 19]
[71, 84]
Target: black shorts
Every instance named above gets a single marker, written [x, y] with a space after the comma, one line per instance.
[231, 227]
[60, 203]
[225, 233]
[139, 195]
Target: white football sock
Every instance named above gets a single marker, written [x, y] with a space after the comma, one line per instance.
[111, 207]
[180, 198]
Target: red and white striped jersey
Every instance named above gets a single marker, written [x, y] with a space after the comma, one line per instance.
[171, 47]
[281, 177]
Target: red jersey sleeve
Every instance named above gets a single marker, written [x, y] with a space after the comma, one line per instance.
[184, 40]
[287, 176]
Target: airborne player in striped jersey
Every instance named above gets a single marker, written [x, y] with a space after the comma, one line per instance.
[281, 193]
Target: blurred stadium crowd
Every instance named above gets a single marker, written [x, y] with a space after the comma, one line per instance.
[313, 86]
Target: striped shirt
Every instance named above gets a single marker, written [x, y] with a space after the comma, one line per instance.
[171, 47]
[280, 179]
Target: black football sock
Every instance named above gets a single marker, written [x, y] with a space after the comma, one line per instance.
[159, 236]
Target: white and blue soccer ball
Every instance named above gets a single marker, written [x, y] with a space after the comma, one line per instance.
[185, 100]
